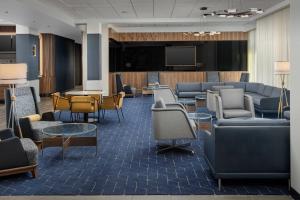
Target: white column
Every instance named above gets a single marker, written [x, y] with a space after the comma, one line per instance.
[105, 59]
[23, 30]
[295, 93]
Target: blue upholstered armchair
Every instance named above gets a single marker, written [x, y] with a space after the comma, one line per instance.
[27, 111]
[17, 155]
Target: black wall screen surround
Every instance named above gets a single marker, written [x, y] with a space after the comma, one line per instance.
[180, 56]
[152, 56]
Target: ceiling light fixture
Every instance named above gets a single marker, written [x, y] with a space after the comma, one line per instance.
[232, 12]
[202, 33]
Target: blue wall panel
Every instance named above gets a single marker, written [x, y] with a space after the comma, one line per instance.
[24, 45]
[94, 57]
[64, 63]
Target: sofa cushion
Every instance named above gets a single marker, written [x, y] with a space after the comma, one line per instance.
[208, 85]
[236, 113]
[160, 103]
[219, 87]
[252, 87]
[268, 90]
[260, 89]
[276, 92]
[30, 149]
[253, 122]
[232, 98]
[189, 94]
[212, 77]
[236, 84]
[256, 98]
[189, 87]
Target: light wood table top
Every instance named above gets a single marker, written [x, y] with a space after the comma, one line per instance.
[84, 92]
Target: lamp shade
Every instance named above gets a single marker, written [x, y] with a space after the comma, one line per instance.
[281, 67]
[13, 73]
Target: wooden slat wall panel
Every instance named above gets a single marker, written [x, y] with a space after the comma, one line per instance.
[139, 79]
[2, 89]
[176, 36]
[48, 79]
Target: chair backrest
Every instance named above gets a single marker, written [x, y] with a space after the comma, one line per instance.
[152, 77]
[26, 103]
[119, 83]
[232, 98]
[83, 104]
[244, 77]
[166, 94]
[212, 77]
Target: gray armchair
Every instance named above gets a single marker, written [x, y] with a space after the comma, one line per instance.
[234, 103]
[17, 155]
[170, 122]
[166, 94]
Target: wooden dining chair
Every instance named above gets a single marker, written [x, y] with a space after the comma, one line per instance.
[114, 102]
[60, 103]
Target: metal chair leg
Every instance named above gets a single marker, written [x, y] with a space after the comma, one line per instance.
[118, 115]
[219, 184]
[59, 115]
[122, 113]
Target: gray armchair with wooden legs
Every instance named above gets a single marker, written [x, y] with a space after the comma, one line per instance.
[17, 155]
[170, 122]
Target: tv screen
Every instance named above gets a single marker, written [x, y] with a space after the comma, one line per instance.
[181, 56]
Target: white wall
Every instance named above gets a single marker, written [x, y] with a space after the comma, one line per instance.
[295, 93]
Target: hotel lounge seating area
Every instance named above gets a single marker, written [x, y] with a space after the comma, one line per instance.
[170, 99]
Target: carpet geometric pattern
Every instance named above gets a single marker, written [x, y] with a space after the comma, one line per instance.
[128, 164]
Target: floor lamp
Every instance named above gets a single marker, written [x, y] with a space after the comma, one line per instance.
[282, 68]
[12, 75]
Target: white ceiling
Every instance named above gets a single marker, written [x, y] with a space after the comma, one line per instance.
[104, 9]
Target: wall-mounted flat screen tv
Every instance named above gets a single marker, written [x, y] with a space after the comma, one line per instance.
[180, 56]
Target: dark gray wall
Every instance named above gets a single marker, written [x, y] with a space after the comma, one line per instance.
[64, 63]
[94, 57]
[24, 45]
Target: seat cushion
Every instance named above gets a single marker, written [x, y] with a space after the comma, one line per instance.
[241, 85]
[252, 87]
[208, 85]
[37, 127]
[260, 89]
[219, 87]
[160, 103]
[232, 98]
[31, 150]
[276, 92]
[236, 113]
[256, 98]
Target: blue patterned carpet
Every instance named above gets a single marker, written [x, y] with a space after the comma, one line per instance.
[127, 164]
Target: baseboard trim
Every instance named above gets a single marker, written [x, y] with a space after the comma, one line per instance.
[295, 194]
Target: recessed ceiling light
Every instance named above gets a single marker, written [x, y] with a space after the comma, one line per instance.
[123, 11]
[6, 12]
[231, 10]
[203, 8]
[222, 15]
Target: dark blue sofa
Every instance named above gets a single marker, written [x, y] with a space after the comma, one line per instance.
[242, 149]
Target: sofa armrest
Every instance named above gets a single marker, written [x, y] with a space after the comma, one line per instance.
[6, 133]
[27, 130]
[175, 105]
[269, 103]
[48, 116]
[12, 154]
[249, 105]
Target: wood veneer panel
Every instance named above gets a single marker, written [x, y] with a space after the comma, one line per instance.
[139, 79]
[176, 36]
[48, 78]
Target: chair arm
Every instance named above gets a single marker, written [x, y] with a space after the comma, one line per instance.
[286, 108]
[6, 133]
[175, 105]
[269, 103]
[12, 154]
[48, 116]
[219, 107]
[249, 105]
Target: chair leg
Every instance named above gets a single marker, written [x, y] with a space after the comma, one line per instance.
[103, 114]
[71, 116]
[34, 172]
[98, 116]
[118, 115]
[174, 146]
[122, 113]
[59, 115]
[219, 184]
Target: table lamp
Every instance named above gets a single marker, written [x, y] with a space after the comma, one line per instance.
[282, 68]
[12, 75]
